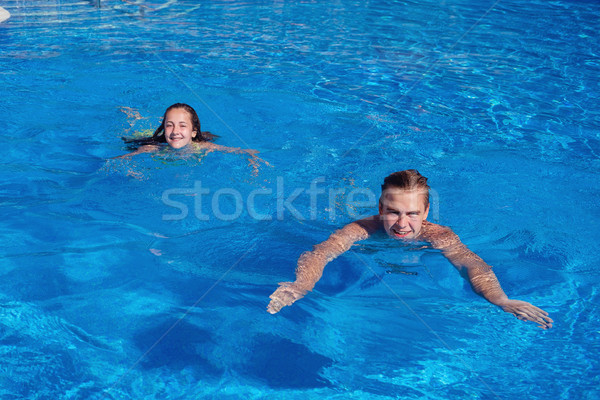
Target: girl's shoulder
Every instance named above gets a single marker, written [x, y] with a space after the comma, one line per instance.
[203, 145]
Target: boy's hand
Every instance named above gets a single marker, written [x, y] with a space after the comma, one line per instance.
[527, 312]
[285, 295]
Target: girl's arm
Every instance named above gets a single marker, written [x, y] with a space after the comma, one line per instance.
[147, 148]
[253, 159]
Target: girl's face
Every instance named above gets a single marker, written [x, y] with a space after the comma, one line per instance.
[178, 128]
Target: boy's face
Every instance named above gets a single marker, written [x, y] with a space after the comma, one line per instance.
[178, 128]
[402, 212]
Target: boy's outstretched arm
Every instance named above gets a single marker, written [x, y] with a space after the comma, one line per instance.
[481, 277]
[312, 263]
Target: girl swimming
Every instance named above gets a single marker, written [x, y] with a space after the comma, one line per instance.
[180, 128]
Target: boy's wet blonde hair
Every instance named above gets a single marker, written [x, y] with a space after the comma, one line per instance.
[409, 179]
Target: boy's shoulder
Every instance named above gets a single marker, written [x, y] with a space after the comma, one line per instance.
[439, 236]
[370, 224]
[360, 229]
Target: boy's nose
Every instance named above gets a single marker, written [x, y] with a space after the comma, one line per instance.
[402, 221]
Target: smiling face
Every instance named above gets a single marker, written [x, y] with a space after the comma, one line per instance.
[178, 128]
[403, 212]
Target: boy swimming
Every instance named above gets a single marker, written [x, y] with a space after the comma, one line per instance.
[403, 210]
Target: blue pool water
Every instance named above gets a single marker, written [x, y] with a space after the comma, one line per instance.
[114, 285]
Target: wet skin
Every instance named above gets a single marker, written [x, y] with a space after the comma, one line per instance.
[402, 215]
[178, 128]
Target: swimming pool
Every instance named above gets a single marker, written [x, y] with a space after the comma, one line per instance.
[114, 284]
